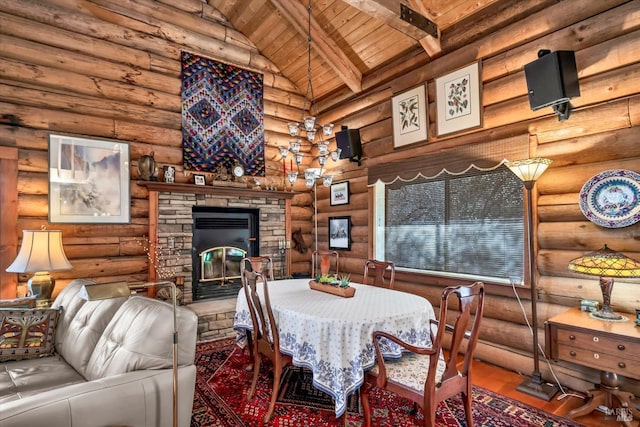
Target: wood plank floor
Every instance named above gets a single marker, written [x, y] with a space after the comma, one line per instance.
[505, 382]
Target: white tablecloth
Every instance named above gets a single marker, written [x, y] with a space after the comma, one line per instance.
[331, 335]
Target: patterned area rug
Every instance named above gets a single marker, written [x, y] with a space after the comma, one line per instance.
[222, 383]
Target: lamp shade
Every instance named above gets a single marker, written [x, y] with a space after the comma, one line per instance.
[529, 170]
[41, 250]
[607, 263]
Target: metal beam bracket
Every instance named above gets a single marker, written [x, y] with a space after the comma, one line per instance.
[419, 21]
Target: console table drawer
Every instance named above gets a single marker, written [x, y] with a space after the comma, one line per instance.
[598, 360]
[595, 342]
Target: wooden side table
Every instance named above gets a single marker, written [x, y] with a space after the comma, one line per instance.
[613, 347]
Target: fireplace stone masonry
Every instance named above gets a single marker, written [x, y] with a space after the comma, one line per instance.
[175, 229]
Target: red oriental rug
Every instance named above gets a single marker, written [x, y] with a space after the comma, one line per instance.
[222, 383]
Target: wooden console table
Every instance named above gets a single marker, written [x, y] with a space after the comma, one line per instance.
[613, 347]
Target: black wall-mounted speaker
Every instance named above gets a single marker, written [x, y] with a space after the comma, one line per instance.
[348, 140]
[552, 79]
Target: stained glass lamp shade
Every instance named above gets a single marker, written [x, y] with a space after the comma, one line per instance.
[607, 264]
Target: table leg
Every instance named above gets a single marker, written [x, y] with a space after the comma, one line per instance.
[605, 394]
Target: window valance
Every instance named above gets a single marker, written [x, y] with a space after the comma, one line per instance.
[484, 155]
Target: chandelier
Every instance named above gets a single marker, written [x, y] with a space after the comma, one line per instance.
[309, 131]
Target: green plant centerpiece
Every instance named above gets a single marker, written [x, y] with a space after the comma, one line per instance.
[326, 279]
[344, 281]
[333, 284]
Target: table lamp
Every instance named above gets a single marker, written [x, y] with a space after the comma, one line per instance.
[529, 170]
[41, 252]
[607, 264]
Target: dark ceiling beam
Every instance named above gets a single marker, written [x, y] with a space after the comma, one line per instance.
[430, 44]
[298, 17]
[388, 11]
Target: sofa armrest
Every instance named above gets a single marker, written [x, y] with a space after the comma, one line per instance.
[138, 398]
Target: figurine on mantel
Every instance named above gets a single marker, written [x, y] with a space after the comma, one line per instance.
[221, 173]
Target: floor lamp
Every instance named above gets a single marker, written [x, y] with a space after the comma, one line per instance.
[119, 289]
[529, 170]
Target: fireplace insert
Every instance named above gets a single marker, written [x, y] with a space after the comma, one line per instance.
[221, 238]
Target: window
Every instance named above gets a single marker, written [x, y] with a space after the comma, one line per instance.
[466, 225]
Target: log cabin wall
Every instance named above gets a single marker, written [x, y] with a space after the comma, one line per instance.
[94, 69]
[601, 133]
[113, 71]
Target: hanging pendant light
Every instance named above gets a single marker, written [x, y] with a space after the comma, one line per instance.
[312, 130]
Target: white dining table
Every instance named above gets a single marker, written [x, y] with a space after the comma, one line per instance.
[332, 335]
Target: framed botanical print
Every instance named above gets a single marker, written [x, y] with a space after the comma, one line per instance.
[409, 114]
[340, 193]
[88, 180]
[459, 100]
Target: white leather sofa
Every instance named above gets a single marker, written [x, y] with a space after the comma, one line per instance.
[112, 367]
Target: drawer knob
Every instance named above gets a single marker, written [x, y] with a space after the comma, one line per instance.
[621, 347]
[622, 365]
[572, 337]
[596, 339]
[596, 356]
[572, 353]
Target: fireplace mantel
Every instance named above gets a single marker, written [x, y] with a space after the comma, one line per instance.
[214, 189]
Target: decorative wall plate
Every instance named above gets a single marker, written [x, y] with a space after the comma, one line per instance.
[612, 198]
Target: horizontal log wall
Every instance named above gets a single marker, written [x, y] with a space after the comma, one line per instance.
[602, 133]
[103, 69]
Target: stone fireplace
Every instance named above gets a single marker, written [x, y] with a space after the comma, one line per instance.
[173, 224]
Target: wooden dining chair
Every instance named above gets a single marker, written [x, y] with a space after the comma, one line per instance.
[425, 375]
[379, 270]
[266, 339]
[324, 258]
[259, 264]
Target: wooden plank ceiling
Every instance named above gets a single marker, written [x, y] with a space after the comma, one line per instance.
[354, 38]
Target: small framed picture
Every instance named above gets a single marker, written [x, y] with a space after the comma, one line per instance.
[340, 233]
[409, 111]
[198, 179]
[340, 193]
[459, 100]
[637, 316]
[169, 174]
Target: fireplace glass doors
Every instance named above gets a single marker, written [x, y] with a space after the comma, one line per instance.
[221, 264]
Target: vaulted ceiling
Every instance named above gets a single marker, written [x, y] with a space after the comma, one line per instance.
[353, 39]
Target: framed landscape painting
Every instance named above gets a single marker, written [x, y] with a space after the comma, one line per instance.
[88, 180]
[459, 100]
[409, 113]
[340, 233]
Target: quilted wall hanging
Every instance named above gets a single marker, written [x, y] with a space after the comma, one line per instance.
[222, 116]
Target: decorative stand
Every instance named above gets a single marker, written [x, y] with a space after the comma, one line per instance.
[283, 246]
